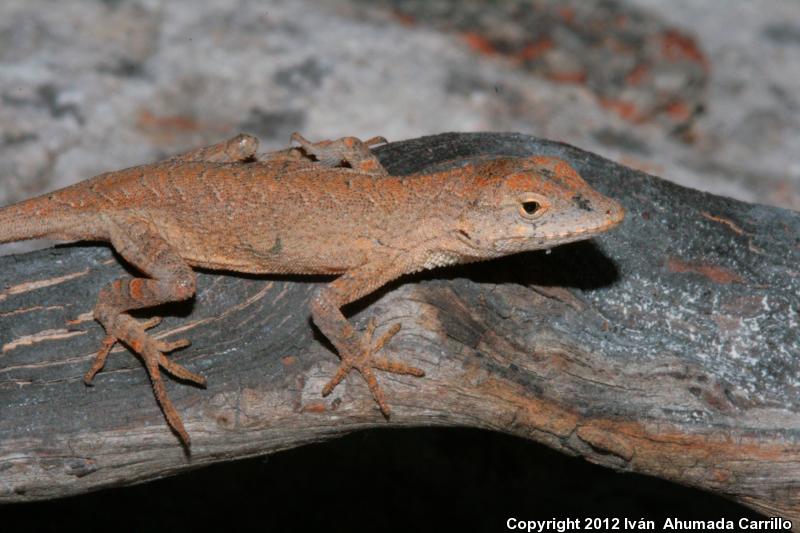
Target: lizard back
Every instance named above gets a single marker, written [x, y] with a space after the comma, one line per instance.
[257, 217]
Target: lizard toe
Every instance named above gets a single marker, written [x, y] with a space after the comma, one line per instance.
[375, 389]
[153, 359]
[180, 371]
[151, 322]
[396, 367]
[337, 378]
[166, 347]
[100, 359]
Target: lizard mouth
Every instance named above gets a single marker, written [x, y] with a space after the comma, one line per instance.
[548, 241]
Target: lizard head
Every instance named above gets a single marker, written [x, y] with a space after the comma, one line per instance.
[531, 203]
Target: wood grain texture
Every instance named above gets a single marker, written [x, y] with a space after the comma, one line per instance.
[668, 347]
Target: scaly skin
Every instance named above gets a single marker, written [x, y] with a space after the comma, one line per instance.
[325, 208]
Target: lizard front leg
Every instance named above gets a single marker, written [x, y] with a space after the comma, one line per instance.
[358, 352]
[135, 239]
[235, 150]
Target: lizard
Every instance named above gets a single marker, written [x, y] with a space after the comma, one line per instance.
[320, 208]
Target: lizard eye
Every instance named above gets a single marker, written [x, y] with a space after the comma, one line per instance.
[531, 207]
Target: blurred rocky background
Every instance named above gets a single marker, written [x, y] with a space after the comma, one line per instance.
[699, 92]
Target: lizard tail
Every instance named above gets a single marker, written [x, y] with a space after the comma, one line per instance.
[35, 219]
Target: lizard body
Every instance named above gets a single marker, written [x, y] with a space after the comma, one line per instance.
[324, 208]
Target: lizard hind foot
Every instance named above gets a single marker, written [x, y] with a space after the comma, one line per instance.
[346, 151]
[366, 361]
[152, 351]
[105, 348]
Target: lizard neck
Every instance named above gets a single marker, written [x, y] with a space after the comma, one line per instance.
[440, 202]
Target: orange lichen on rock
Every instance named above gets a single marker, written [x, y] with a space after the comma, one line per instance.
[715, 273]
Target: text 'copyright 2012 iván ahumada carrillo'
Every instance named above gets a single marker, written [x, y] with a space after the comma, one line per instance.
[667, 524]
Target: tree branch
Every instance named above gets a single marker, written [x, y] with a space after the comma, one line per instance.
[668, 347]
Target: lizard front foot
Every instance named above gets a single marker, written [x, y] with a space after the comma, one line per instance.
[351, 151]
[366, 361]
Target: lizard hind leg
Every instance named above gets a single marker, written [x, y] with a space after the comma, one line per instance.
[171, 279]
[350, 150]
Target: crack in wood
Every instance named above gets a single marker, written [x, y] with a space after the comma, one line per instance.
[41, 336]
[40, 284]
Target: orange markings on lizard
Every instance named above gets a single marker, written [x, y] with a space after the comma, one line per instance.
[135, 287]
[318, 208]
[563, 169]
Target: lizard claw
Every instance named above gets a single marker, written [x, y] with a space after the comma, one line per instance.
[367, 361]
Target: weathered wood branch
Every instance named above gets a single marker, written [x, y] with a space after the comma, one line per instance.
[670, 347]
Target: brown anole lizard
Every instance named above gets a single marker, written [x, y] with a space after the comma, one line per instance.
[324, 208]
